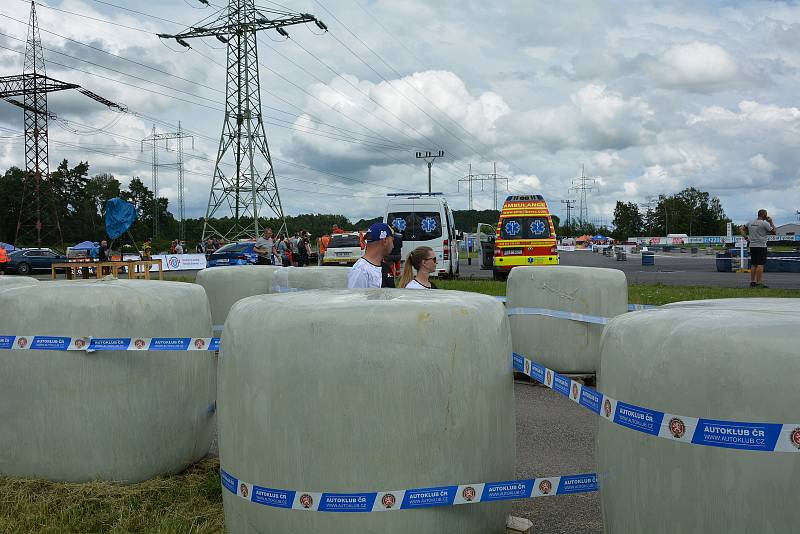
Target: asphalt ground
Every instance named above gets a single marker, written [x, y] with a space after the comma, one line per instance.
[670, 268]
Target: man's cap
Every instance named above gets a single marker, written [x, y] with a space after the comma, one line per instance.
[378, 231]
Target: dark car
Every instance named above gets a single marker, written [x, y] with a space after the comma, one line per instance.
[233, 254]
[25, 261]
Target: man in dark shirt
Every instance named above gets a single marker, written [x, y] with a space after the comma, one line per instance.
[102, 254]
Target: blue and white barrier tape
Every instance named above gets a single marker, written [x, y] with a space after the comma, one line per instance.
[409, 499]
[91, 344]
[631, 307]
[761, 437]
[559, 314]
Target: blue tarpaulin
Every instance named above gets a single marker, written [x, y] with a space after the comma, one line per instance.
[599, 237]
[120, 215]
[86, 245]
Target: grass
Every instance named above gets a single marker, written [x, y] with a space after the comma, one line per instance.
[639, 293]
[190, 502]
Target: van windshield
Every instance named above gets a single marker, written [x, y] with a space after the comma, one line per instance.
[342, 241]
[525, 228]
[416, 226]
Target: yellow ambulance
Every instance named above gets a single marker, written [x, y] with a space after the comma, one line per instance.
[525, 235]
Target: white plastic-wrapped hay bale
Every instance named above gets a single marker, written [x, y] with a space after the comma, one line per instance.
[561, 344]
[294, 278]
[227, 285]
[375, 390]
[724, 360]
[107, 415]
[16, 281]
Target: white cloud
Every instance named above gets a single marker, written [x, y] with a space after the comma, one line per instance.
[760, 163]
[698, 66]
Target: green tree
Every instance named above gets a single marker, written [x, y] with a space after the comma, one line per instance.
[10, 200]
[691, 212]
[628, 221]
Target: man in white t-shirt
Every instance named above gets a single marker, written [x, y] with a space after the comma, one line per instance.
[367, 270]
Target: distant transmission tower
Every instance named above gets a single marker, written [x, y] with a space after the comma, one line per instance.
[491, 176]
[248, 189]
[570, 205]
[36, 220]
[154, 138]
[583, 185]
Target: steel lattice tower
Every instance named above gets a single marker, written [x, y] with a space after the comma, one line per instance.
[154, 138]
[582, 185]
[243, 135]
[38, 221]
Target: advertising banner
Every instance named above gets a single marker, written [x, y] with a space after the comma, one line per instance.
[180, 262]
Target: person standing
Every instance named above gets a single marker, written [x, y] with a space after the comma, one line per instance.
[322, 246]
[178, 247]
[265, 247]
[396, 255]
[3, 259]
[366, 272]
[336, 230]
[147, 249]
[102, 254]
[423, 261]
[757, 232]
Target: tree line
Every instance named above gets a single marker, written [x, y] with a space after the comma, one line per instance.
[78, 201]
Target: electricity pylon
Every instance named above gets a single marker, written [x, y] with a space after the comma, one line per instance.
[243, 128]
[490, 176]
[36, 221]
[154, 138]
[569, 203]
[582, 185]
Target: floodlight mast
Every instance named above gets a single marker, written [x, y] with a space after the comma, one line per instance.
[243, 127]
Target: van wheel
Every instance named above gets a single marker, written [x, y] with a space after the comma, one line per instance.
[499, 275]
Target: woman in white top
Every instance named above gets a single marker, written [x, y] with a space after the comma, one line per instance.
[423, 261]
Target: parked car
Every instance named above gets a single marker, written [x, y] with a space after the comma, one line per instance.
[343, 249]
[240, 253]
[25, 261]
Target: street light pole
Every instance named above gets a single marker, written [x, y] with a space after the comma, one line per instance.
[429, 157]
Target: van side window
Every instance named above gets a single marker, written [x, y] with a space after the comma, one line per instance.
[417, 226]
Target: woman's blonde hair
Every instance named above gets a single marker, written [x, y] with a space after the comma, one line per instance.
[414, 259]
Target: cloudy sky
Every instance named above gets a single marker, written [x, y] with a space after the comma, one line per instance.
[650, 96]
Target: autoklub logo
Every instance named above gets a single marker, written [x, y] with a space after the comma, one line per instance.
[527, 367]
[139, 343]
[468, 493]
[388, 501]
[548, 377]
[22, 342]
[80, 343]
[545, 486]
[243, 490]
[794, 437]
[677, 427]
[607, 408]
[574, 391]
[306, 500]
[199, 343]
[174, 262]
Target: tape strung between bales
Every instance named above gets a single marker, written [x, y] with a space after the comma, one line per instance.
[759, 437]
[409, 499]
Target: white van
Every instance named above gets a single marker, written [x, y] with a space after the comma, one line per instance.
[425, 219]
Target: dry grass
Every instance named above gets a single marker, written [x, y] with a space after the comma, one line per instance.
[190, 502]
